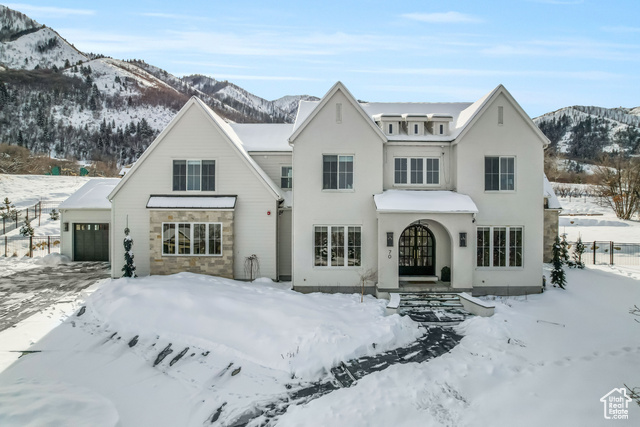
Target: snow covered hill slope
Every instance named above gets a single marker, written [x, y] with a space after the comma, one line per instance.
[55, 99]
[587, 131]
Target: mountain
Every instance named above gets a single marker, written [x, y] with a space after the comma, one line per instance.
[56, 99]
[585, 132]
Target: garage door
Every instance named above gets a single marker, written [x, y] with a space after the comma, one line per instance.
[91, 242]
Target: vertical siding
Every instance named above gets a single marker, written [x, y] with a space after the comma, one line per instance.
[284, 243]
[194, 136]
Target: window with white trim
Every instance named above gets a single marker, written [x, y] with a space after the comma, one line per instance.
[499, 173]
[337, 172]
[422, 170]
[192, 238]
[499, 246]
[194, 175]
[286, 177]
[337, 246]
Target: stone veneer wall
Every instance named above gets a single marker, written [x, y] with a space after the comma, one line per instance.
[214, 265]
[551, 222]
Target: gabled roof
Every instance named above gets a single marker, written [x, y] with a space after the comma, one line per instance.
[308, 110]
[470, 115]
[264, 136]
[227, 132]
[92, 195]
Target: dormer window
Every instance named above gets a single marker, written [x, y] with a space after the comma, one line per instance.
[441, 129]
[415, 128]
[390, 128]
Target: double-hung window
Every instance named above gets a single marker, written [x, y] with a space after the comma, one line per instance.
[417, 170]
[337, 172]
[194, 175]
[188, 238]
[499, 246]
[499, 173]
[286, 177]
[337, 246]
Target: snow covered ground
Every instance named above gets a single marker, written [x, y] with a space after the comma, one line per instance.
[541, 360]
[27, 190]
[582, 216]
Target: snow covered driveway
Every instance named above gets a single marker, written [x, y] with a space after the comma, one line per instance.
[32, 290]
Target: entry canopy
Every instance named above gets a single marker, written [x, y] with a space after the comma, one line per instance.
[192, 202]
[416, 201]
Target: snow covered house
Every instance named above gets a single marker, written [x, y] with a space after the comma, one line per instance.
[422, 195]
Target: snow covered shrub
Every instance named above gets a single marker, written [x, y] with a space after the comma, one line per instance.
[129, 268]
[578, 250]
[557, 274]
[27, 230]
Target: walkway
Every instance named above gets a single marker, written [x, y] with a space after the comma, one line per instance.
[27, 292]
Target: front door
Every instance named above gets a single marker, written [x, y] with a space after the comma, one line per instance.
[417, 251]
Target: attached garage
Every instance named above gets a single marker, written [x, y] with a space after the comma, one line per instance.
[85, 220]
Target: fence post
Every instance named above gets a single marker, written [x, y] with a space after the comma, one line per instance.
[611, 253]
[3, 221]
[5, 246]
[31, 246]
[594, 252]
[39, 207]
[48, 244]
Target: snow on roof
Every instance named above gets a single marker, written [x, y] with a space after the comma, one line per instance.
[264, 136]
[550, 195]
[92, 195]
[192, 202]
[425, 201]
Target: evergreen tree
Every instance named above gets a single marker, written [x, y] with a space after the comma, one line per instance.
[578, 250]
[129, 267]
[27, 230]
[564, 249]
[557, 274]
[8, 211]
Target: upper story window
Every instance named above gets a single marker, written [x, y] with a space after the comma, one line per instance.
[416, 128]
[194, 175]
[337, 172]
[441, 128]
[286, 177]
[421, 170]
[499, 173]
[499, 246]
[390, 128]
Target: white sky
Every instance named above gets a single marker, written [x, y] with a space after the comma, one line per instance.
[548, 53]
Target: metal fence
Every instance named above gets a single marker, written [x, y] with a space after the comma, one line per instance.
[19, 246]
[611, 253]
[12, 221]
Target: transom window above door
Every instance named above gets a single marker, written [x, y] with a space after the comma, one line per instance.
[194, 175]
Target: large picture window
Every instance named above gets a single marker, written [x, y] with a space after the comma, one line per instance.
[337, 172]
[194, 175]
[499, 173]
[499, 246]
[192, 238]
[421, 170]
[337, 246]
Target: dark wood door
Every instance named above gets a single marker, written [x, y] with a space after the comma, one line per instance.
[91, 242]
[417, 251]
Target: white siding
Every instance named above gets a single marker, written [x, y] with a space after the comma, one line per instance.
[313, 206]
[195, 136]
[284, 243]
[522, 207]
[272, 163]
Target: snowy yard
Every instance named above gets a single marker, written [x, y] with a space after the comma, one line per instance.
[544, 359]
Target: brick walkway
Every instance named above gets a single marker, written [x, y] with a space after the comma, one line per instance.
[26, 292]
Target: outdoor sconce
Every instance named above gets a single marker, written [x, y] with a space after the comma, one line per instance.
[463, 240]
[66, 226]
[390, 239]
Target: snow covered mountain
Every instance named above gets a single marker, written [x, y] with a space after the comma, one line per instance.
[585, 131]
[56, 99]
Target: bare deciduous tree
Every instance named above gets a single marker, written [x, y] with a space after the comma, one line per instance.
[619, 185]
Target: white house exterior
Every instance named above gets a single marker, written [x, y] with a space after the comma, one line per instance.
[405, 191]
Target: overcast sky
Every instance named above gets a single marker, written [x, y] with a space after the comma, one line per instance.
[548, 53]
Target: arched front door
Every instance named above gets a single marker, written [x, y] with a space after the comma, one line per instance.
[417, 251]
